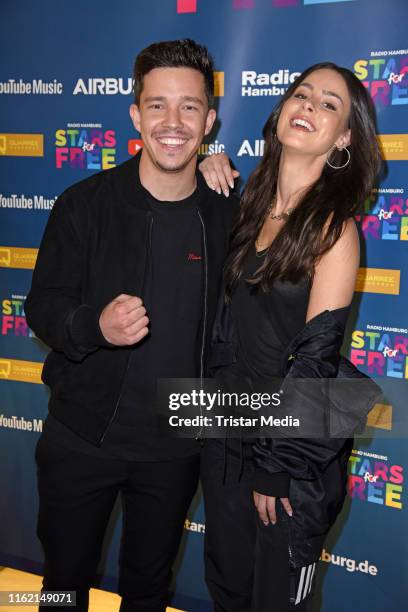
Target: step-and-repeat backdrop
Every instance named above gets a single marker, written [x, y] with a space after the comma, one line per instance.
[65, 89]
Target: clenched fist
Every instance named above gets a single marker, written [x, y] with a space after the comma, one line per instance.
[124, 322]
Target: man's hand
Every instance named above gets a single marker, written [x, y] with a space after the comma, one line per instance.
[124, 322]
[266, 507]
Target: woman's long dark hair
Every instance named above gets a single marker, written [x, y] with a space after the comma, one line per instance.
[334, 197]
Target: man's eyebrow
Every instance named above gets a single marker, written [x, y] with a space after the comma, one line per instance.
[325, 91]
[193, 99]
[155, 98]
[184, 99]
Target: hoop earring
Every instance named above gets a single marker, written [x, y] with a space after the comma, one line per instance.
[339, 167]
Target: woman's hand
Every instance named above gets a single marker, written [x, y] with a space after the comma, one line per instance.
[266, 507]
[218, 173]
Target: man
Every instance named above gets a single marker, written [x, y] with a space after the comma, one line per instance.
[125, 292]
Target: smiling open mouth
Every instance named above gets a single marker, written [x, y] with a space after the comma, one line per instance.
[302, 124]
[172, 142]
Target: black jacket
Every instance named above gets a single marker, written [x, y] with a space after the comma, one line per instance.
[312, 472]
[95, 247]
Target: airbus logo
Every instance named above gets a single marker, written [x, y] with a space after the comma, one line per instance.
[109, 86]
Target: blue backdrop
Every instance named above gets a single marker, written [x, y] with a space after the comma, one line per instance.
[64, 95]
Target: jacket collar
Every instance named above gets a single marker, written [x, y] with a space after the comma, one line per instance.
[125, 182]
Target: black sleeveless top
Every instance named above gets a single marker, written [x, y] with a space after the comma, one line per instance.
[266, 322]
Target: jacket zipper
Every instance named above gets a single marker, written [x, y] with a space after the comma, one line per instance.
[130, 352]
[199, 435]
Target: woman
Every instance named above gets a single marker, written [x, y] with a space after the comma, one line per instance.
[289, 279]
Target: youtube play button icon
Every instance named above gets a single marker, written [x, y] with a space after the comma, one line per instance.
[134, 146]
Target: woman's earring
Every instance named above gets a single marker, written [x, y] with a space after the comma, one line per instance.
[345, 163]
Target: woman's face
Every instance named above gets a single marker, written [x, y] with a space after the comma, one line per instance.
[315, 118]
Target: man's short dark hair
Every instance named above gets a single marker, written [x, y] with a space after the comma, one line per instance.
[184, 53]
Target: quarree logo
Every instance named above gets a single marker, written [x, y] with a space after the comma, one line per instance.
[380, 351]
[394, 147]
[85, 146]
[22, 145]
[380, 417]
[266, 84]
[35, 87]
[385, 215]
[18, 257]
[385, 75]
[378, 280]
[219, 84]
[20, 371]
[23, 202]
[375, 479]
[107, 86]
[13, 320]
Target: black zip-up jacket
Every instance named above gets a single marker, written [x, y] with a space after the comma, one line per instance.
[95, 247]
[312, 472]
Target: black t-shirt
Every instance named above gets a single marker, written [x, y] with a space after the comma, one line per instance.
[173, 298]
[266, 321]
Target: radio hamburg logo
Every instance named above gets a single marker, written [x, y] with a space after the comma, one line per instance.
[85, 146]
[374, 479]
[265, 84]
[386, 76]
[381, 350]
[13, 321]
[385, 215]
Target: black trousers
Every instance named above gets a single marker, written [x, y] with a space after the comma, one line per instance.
[246, 563]
[77, 495]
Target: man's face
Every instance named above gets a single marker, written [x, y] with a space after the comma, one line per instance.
[172, 117]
